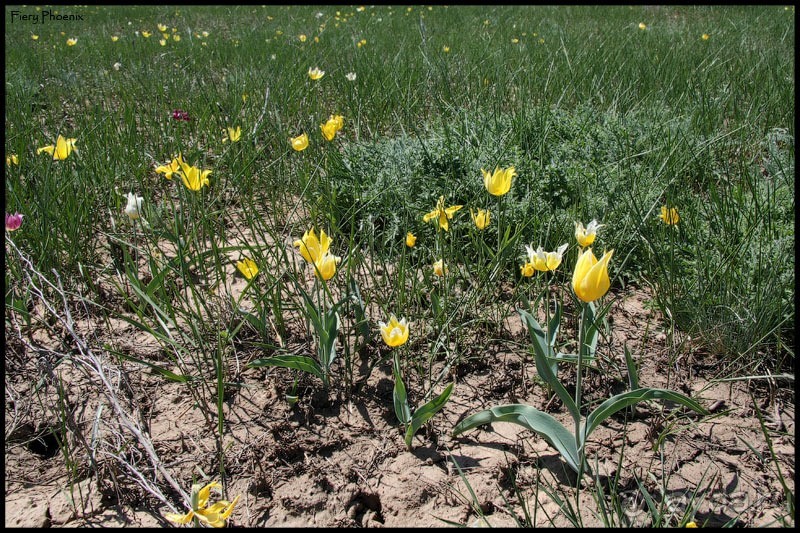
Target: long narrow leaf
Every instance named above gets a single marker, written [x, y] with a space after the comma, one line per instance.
[400, 399]
[297, 362]
[424, 413]
[542, 364]
[633, 374]
[552, 327]
[530, 418]
[621, 401]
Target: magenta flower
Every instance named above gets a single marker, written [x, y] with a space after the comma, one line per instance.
[13, 222]
[180, 114]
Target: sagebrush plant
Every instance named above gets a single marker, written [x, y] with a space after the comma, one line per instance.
[161, 161]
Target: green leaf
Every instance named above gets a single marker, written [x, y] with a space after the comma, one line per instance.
[400, 398]
[552, 327]
[327, 338]
[297, 362]
[543, 366]
[538, 337]
[572, 358]
[633, 375]
[621, 401]
[424, 413]
[530, 418]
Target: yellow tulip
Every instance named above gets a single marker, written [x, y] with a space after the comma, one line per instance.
[247, 267]
[214, 516]
[442, 214]
[705, 37]
[325, 266]
[395, 333]
[669, 216]
[170, 169]
[61, 150]
[193, 177]
[311, 248]
[439, 269]
[300, 142]
[329, 129]
[498, 183]
[590, 278]
[146, 34]
[411, 239]
[545, 261]
[234, 134]
[12, 159]
[585, 236]
[642, 26]
[162, 28]
[315, 73]
[72, 41]
[527, 270]
[481, 219]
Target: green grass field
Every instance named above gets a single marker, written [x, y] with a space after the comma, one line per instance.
[606, 113]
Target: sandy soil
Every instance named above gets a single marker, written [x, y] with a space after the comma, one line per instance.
[329, 461]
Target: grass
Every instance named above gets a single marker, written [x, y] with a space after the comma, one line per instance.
[601, 119]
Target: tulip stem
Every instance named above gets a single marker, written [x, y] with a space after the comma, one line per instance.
[578, 385]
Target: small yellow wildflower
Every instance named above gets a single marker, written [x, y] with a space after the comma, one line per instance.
[669, 216]
[438, 268]
[315, 73]
[247, 267]
[300, 142]
[442, 214]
